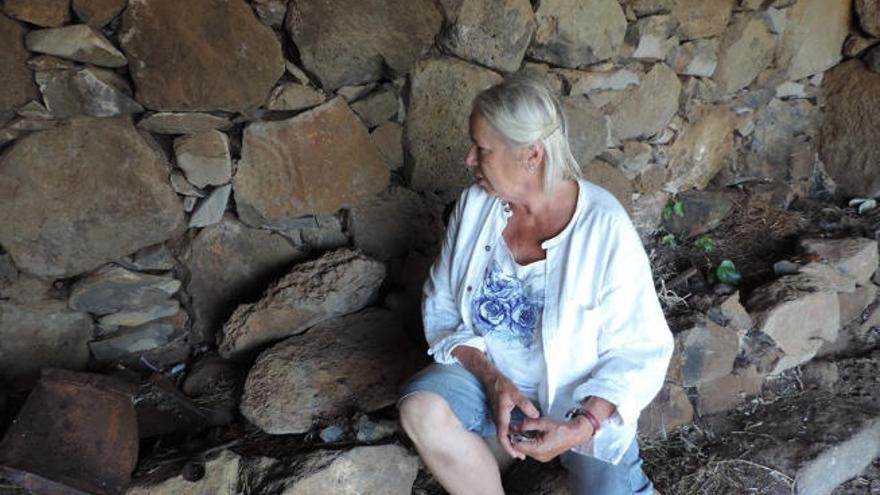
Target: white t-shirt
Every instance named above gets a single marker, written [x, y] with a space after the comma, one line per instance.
[507, 312]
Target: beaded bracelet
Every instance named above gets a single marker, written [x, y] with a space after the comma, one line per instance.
[580, 411]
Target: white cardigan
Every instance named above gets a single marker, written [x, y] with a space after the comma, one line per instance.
[603, 331]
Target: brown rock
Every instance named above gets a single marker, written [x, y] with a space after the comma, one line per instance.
[816, 44]
[96, 174]
[229, 263]
[706, 351]
[436, 129]
[573, 33]
[723, 393]
[395, 222]
[855, 44]
[735, 314]
[97, 13]
[670, 409]
[856, 257]
[701, 18]
[44, 13]
[646, 109]
[271, 12]
[337, 283]
[320, 374]
[204, 157]
[388, 137]
[851, 128]
[90, 91]
[348, 42]
[230, 62]
[492, 33]
[15, 78]
[868, 12]
[292, 97]
[316, 162]
[183, 123]
[377, 107]
[611, 179]
[703, 211]
[746, 48]
[79, 42]
[702, 149]
[588, 131]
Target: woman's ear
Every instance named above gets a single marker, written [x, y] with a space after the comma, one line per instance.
[536, 155]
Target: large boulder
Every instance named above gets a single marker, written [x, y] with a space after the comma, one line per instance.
[337, 283]
[703, 148]
[82, 194]
[230, 263]
[646, 109]
[357, 361]
[813, 41]
[573, 33]
[347, 42]
[226, 60]
[15, 77]
[493, 33]
[851, 129]
[746, 48]
[436, 134]
[316, 162]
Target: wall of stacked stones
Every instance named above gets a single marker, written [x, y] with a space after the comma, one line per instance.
[178, 174]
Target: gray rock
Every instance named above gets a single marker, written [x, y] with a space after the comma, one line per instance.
[735, 315]
[15, 78]
[285, 172]
[649, 38]
[221, 478]
[87, 91]
[695, 58]
[367, 430]
[388, 137]
[78, 42]
[85, 173]
[183, 123]
[574, 33]
[701, 18]
[136, 317]
[271, 12]
[771, 148]
[850, 128]
[636, 157]
[321, 373]
[293, 97]
[798, 321]
[112, 288]
[297, 73]
[868, 12]
[872, 59]
[8, 271]
[230, 63]
[436, 130]
[589, 83]
[856, 257]
[211, 209]
[725, 392]
[642, 8]
[704, 352]
[494, 34]
[775, 20]
[229, 263]
[44, 13]
[612, 179]
[97, 13]
[204, 157]
[816, 44]
[377, 107]
[183, 187]
[352, 93]
[41, 334]
[745, 49]
[350, 42]
[790, 89]
[703, 211]
[702, 149]
[395, 222]
[852, 305]
[543, 73]
[647, 109]
[669, 410]
[822, 276]
[588, 130]
[647, 212]
[318, 233]
[337, 283]
[189, 204]
[134, 340]
[156, 258]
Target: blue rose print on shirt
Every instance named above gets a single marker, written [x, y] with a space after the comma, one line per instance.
[505, 309]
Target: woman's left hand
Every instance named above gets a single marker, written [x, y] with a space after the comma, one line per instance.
[554, 437]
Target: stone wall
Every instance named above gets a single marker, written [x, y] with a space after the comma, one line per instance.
[164, 163]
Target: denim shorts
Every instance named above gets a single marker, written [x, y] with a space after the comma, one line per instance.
[467, 399]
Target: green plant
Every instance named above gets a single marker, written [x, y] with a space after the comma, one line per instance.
[727, 274]
[676, 207]
[705, 244]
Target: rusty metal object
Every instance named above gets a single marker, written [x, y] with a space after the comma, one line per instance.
[76, 434]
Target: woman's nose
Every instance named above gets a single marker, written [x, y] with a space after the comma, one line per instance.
[470, 159]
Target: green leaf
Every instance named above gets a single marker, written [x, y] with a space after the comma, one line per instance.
[678, 208]
[668, 240]
[705, 244]
[727, 274]
[667, 212]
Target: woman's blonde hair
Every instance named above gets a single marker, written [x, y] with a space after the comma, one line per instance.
[526, 112]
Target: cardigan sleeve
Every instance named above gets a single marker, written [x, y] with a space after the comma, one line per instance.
[634, 342]
[441, 316]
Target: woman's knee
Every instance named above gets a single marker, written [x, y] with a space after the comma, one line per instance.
[423, 414]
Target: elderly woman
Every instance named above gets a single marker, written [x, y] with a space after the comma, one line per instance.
[540, 313]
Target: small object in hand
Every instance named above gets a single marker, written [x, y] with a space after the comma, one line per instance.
[524, 436]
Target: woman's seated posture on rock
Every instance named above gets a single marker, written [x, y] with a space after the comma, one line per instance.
[540, 313]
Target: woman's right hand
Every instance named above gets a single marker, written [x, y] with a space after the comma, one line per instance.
[504, 397]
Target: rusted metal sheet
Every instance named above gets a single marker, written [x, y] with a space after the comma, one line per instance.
[76, 434]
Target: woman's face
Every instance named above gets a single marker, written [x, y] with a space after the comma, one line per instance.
[498, 167]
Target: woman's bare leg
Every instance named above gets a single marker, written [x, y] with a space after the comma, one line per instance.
[460, 460]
